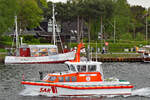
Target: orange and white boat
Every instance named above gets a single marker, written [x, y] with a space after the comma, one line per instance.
[83, 78]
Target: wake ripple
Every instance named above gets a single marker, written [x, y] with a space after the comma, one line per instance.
[142, 92]
[145, 92]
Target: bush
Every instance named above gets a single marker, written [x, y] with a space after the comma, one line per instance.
[43, 40]
[126, 36]
[6, 38]
[139, 37]
[30, 39]
[3, 50]
[114, 47]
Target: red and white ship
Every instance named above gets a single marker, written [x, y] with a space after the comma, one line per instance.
[31, 54]
[41, 54]
[83, 78]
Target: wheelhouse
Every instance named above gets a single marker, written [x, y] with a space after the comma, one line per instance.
[78, 72]
[84, 66]
[38, 50]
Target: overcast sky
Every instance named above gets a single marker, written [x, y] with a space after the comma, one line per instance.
[144, 3]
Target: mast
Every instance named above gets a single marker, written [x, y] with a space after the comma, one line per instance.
[16, 33]
[54, 24]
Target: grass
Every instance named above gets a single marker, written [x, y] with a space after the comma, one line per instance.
[2, 55]
[118, 47]
[3, 50]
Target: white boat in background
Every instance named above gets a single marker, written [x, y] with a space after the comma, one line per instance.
[83, 78]
[31, 54]
[41, 54]
[146, 53]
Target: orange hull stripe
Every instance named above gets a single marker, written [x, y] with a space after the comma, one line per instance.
[79, 88]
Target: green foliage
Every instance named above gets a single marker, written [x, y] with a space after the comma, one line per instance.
[30, 39]
[6, 38]
[129, 19]
[138, 19]
[29, 14]
[42, 4]
[122, 16]
[140, 37]
[126, 36]
[115, 47]
[2, 50]
[8, 10]
[43, 40]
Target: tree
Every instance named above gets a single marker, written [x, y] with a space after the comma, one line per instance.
[8, 9]
[122, 15]
[94, 11]
[30, 14]
[137, 19]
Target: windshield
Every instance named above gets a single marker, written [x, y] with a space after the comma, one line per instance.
[72, 68]
[81, 68]
[91, 68]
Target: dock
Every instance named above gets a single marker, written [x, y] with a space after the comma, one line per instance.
[119, 59]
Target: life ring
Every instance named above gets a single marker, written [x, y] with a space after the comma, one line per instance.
[88, 78]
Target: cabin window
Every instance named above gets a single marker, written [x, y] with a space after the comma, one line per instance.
[52, 78]
[43, 53]
[67, 79]
[61, 79]
[72, 68]
[91, 68]
[73, 79]
[81, 68]
[52, 51]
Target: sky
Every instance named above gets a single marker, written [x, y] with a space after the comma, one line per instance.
[143, 3]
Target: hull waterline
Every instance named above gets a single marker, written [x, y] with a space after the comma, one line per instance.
[52, 89]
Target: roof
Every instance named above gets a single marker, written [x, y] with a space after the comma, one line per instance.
[84, 62]
[42, 46]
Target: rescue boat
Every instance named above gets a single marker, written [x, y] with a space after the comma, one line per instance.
[83, 78]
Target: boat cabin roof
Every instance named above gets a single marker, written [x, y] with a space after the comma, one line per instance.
[38, 46]
[84, 66]
[84, 62]
[42, 46]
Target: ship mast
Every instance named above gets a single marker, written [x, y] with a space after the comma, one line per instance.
[16, 33]
[54, 24]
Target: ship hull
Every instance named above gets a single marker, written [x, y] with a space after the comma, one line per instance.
[59, 58]
[96, 88]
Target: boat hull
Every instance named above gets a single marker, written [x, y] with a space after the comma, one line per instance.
[52, 89]
[59, 58]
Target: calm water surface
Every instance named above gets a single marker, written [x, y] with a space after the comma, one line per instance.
[137, 73]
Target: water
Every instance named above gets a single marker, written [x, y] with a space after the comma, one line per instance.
[11, 75]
